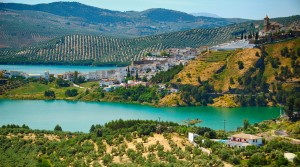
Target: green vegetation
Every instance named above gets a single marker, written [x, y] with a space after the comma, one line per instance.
[166, 76]
[99, 50]
[62, 83]
[117, 143]
[71, 92]
[138, 143]
[241, 64]
[49, 93]
[57, 128]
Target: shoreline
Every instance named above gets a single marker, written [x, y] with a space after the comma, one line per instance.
[122, 102]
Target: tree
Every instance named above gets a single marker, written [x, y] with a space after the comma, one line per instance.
[246, 124]
[231, 80]
[297, 159]
[164, 53]
[257, 159]
[71, 92]
[257, 54]
[148, 54]
[107, 159]
[136, 75]
[92, 129]
[285, 52]
[62, 83]
[57, 128]
[199, 80]
[128, 72]
[242, 35]
[256, 36]
[144, 79]
[240, 64]
[49, 93]
[43, 162]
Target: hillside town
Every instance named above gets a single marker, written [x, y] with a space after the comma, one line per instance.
[146, 68]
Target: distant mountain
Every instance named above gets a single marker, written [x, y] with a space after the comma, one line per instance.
[26, 25]
[165, 15]
[205, 14]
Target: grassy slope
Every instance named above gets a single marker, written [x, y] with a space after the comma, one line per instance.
[35, 90]
[273, 50]
[249, 59]
[209, 67]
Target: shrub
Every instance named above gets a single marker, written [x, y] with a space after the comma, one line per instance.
[57, 128]
[257, 159]
[49, 93]
[71, 92]
[240, 64]
[107, 159]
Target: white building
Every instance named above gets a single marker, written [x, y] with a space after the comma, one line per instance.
[111, 87]
[11, 74]
[34, 76]
[243, 140]
[105, 82]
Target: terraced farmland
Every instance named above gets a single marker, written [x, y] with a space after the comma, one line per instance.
[89, 49]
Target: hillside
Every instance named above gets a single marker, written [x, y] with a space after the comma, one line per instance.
[117, 143]
[265, 74]
[146, 143]
[25, 25]
[89, 49]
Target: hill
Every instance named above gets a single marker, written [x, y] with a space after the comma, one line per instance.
[25, 25]
[259, 76]
[147, 143]
[205, 14]
[89, 49]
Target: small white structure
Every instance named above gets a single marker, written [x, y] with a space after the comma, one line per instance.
[47, 75]
[105, 82]
[111, 87]
[34, 76]
[192, 137]
[243, 140]
[173, 90]
[289, 156]
[130, 81]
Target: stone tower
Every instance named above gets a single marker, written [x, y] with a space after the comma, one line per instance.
[267, 23]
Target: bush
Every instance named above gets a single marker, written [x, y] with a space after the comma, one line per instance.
[107, 159]
[297, 159]
[71, 92]
[235, 160]
[257, 159]
[241, 65]
[57, 128]
[49, 93]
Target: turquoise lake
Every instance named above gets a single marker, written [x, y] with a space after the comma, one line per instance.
[79, 116]
[53, 69]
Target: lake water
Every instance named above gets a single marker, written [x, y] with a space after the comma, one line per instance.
[79, 116]
[53, 69]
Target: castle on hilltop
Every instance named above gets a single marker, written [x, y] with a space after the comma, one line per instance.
[270, 27]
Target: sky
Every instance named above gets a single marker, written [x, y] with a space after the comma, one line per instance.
[248, 9]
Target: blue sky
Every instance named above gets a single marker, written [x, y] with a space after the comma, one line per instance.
[250, 9]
